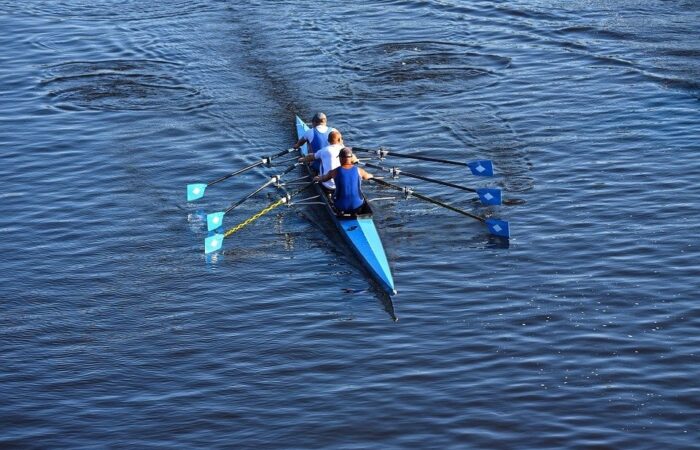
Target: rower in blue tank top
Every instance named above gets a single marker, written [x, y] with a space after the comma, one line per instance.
[316, 136]
[348, 178]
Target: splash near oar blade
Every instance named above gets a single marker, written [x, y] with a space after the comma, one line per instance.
[481, 167]
[213, 243]
[195, 191]
[215, 220]
[498, 227]
[489, 196]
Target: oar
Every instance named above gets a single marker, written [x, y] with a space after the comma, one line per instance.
[216, 219]
[214, 242]
[488, 196]
[195, 191]
[496, 227]
[480, 167]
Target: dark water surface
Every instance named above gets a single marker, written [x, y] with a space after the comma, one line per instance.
[116, 331]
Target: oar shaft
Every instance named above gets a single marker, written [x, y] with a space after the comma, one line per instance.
[403, 155]
[272, 180]
[290, 168]
[241, 201]
[286, 199]
[265, 160]
[283, 152]
[245, 169]
[302, 189]
[429, 200]
[288, 160]
[450, 207]
[420, 177]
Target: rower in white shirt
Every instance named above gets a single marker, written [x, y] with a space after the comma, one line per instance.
[328, 157]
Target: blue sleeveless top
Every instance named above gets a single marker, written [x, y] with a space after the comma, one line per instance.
[320, 140]
[348, 194]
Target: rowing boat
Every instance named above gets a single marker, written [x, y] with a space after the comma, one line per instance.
[357, 230]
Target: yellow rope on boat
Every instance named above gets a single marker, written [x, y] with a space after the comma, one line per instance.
[255, 217]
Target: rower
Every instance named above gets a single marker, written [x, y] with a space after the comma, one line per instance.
[328, 157]
[316, 136]
[348, 178]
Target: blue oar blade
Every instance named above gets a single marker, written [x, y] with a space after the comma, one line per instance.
[195, 191]
[489, 196]
[213, 243]
[498, 227]
[481, 167]
[215, 220]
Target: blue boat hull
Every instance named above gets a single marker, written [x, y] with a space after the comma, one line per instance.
[359, 232]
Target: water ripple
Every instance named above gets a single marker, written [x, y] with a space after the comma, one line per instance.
[105, 10]
[120, 85]
[580, 332]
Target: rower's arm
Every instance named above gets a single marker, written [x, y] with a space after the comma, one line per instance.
[364, 174]
[308, 158]
[326, 177]
[299, 143]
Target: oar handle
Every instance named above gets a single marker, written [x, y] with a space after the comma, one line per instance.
[382, 153]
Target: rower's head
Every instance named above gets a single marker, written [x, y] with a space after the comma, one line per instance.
[345, 156]
[334, 137]
[319, 119]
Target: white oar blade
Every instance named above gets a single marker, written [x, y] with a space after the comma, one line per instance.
[195, 191]
[215, 220]
[489, 196]
[213, 243]
[498, 227]
[481, 167]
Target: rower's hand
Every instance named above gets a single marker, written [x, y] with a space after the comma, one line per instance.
[317, 179]
[301, 159]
